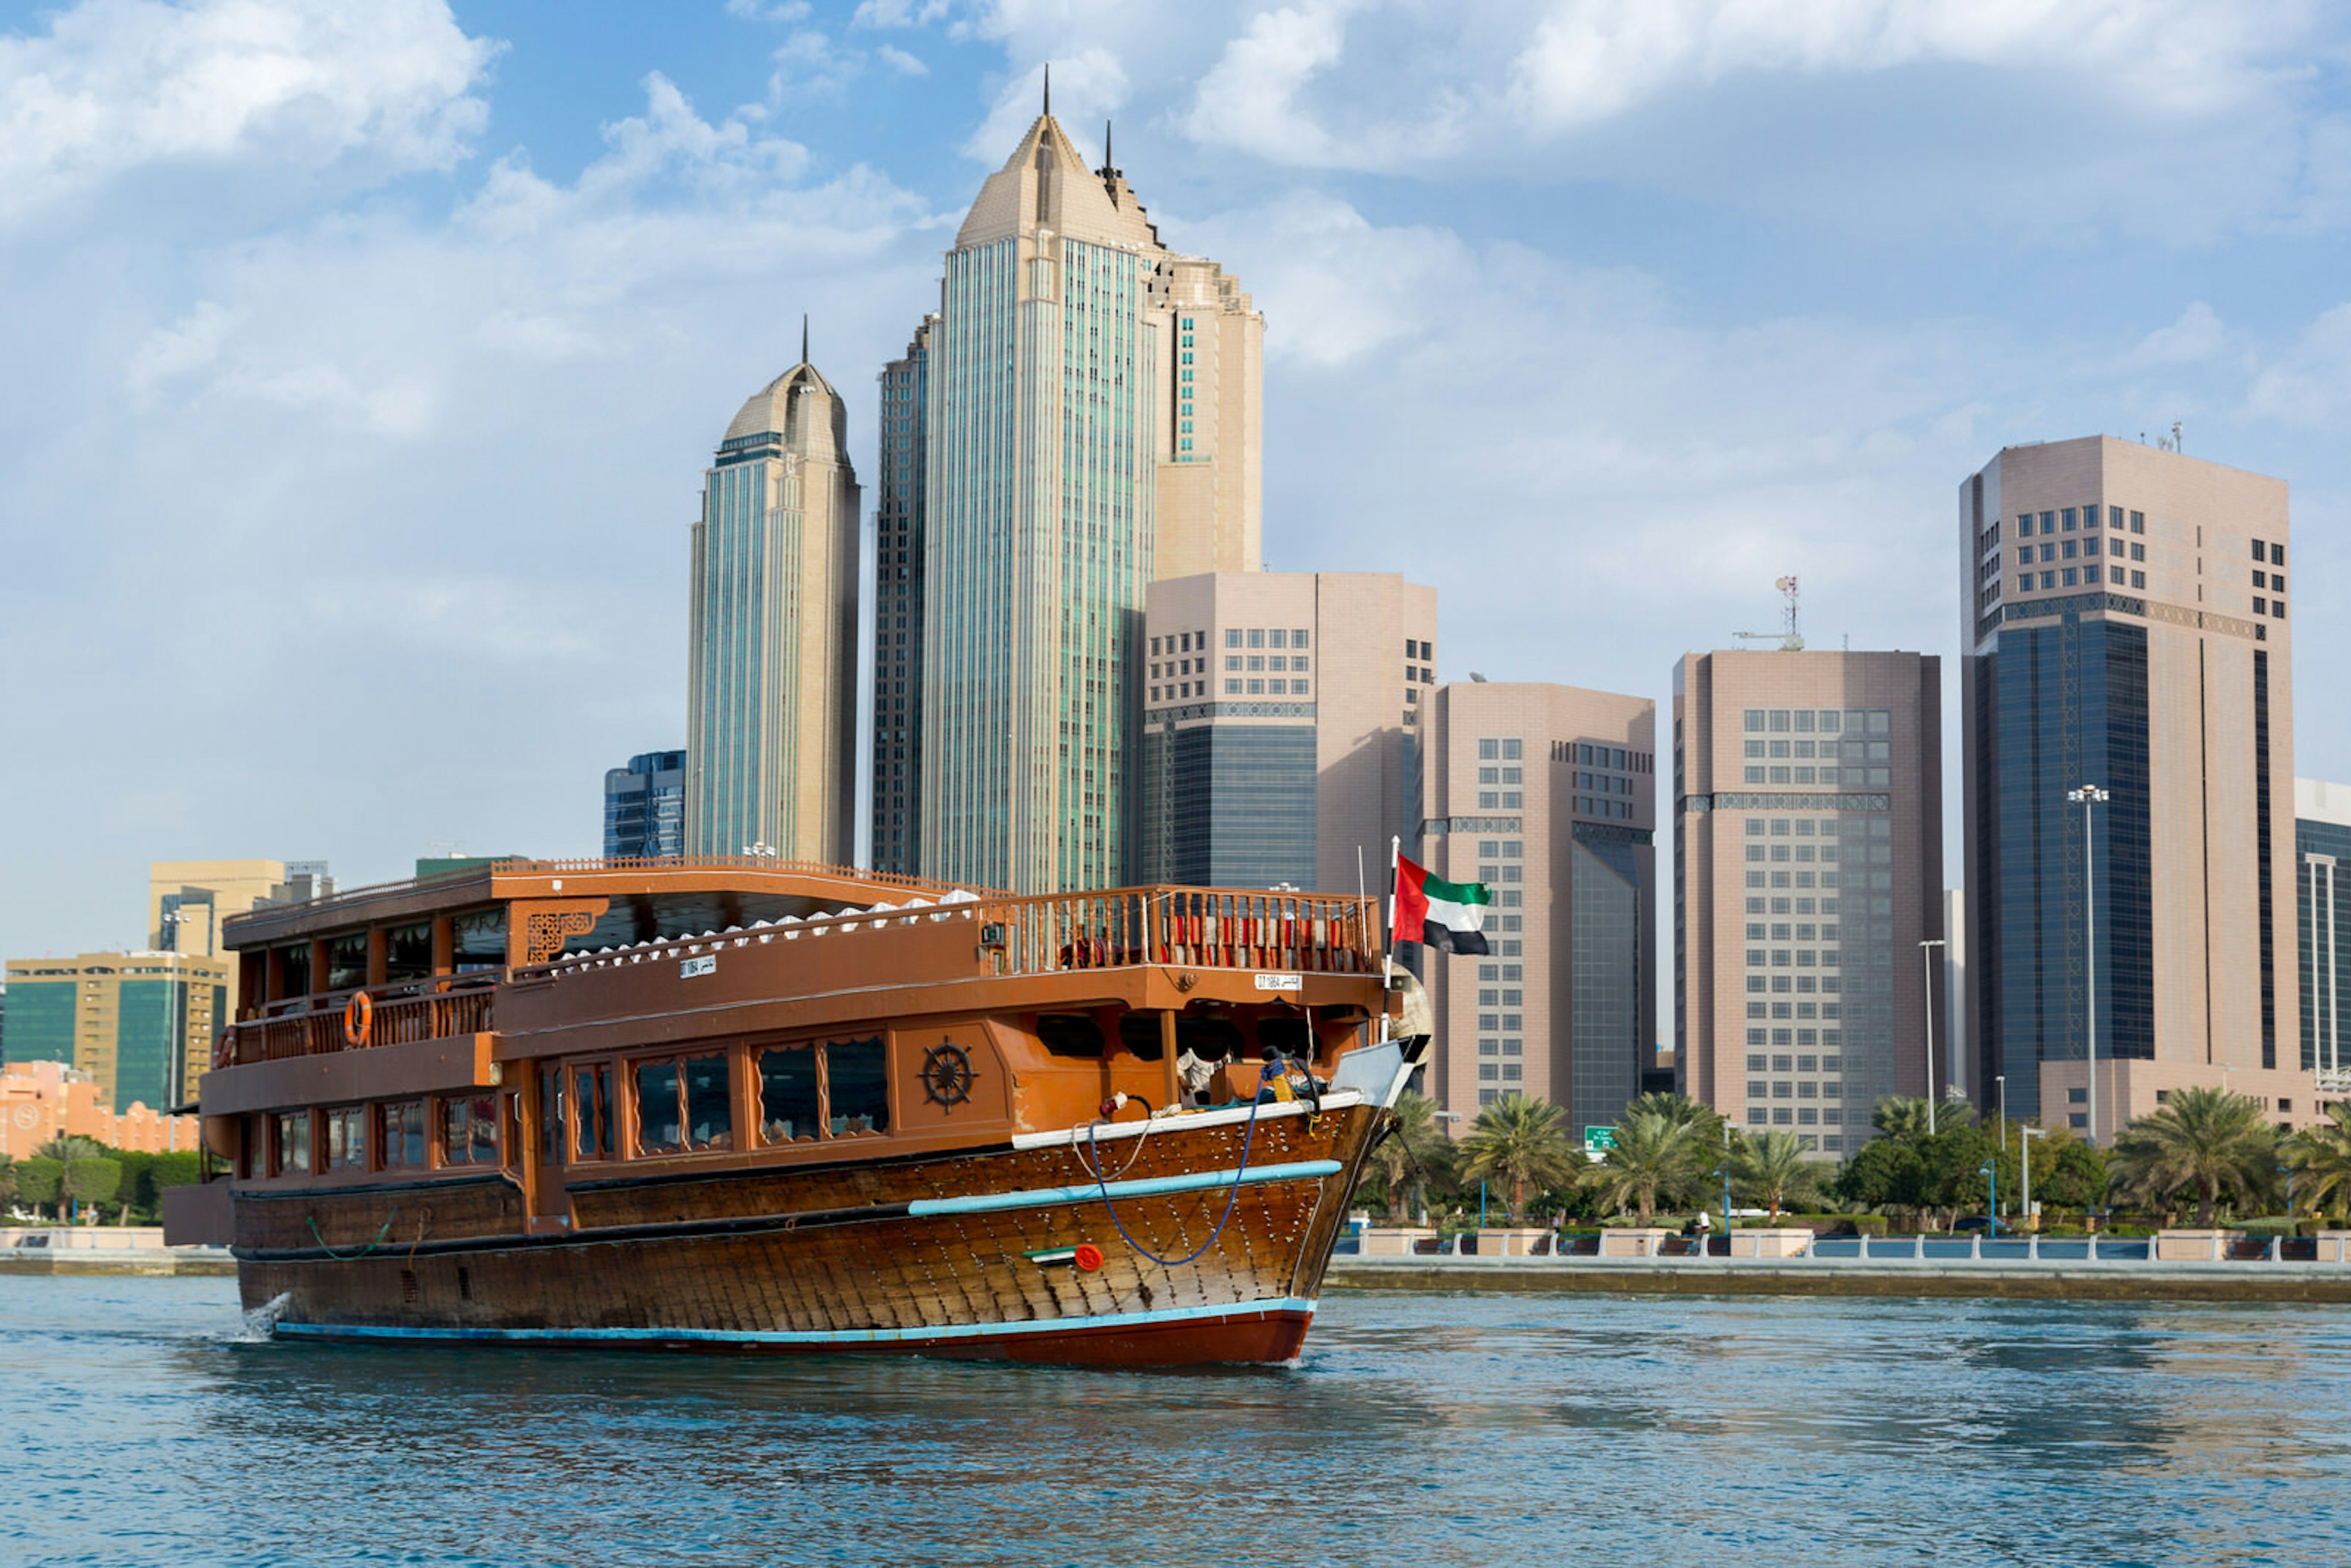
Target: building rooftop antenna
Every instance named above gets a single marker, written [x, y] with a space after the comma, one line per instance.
[1788, 637]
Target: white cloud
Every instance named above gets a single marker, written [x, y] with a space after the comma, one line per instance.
[902, 62]
[115, 86]
[769, 10]
[2196, 335]
[188, 344]
[2310, 384]
[898, 13]
[1587, 59]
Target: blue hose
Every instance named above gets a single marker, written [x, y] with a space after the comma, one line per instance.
[1232, 1198]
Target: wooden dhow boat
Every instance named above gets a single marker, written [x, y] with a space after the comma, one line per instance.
[748, 1106]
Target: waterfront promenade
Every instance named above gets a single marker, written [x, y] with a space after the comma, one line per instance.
[2111, 1269]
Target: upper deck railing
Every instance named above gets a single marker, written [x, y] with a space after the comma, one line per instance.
[1199, 928]
[398, 1014]
[1046, 934]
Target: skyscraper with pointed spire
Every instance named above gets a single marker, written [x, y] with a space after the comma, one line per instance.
[771, 717]
[1089, 414]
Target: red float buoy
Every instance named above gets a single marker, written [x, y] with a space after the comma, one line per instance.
[1088, 1257]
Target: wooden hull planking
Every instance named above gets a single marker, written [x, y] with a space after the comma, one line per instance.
[963, 1255]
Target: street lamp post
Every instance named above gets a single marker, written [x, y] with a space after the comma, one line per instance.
[1934, 1089]
[2088, 796]
[2024, 1136]
[1458, 1116]
[2002, 1079]
[1991, 1209]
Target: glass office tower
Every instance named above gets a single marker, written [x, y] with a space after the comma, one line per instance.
[2126, 613]
[771, 709]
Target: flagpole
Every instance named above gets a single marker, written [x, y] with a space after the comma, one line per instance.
[1388, 955]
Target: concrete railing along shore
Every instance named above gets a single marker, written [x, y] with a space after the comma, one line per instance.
[2175, 1264]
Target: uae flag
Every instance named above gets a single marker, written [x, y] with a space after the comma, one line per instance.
[1448, 915]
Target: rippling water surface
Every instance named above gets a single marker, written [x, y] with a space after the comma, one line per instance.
[141, 1427]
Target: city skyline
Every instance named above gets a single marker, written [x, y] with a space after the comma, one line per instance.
[1566, 330]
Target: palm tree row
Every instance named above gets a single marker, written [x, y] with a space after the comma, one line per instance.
[2206, 1146]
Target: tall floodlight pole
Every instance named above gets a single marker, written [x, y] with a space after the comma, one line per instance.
[2088, 796]
[1934, 1089]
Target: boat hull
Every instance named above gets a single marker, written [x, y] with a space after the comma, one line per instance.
[1212, 1236]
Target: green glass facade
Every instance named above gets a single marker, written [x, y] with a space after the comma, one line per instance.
[41, 1020]
[1040, 549]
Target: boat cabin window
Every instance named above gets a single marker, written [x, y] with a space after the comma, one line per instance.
[683, 1104]
[289, 1143]
[550, 1115]
[469, 1131]
[857, 1083]
[347, 961]
[346, 1138]
[253, 1137]
[787, 1102]
[591, 1099]
[479, 940]
[1070, 1034]
[400, 1132]
[295, 962]
[408, 952]
[1288, 1033]
[1210, 1039]
[1138, 1032]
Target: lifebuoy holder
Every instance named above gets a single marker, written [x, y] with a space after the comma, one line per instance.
[358, 1019]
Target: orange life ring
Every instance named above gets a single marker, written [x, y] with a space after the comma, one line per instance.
[224, 1049]
[358, 1019]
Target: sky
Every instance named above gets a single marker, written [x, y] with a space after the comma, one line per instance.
[361, 363]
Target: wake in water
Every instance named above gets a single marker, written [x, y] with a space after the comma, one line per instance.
[261, 1321]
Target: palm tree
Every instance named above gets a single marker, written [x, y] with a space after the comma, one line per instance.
[1407, 1155]
[2320, 1158]
[1897, 1116]
[1775, 1166]
[1652, 1154]
[2206, 1139]
[1522, 1144]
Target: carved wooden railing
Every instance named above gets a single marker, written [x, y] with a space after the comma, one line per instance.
[1051, 933]
[400, 1014]
[1197, 927]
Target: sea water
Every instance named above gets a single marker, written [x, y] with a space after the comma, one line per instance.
[143, 1421]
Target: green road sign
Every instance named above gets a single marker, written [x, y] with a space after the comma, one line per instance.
[1598, 1138]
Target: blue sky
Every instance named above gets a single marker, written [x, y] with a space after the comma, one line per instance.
[366, 359]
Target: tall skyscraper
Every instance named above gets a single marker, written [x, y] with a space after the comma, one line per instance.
[2321, 850]
[1281, 717]
[1547, 794]
[900, 539]
[2126, 613]
[1808, 868]
[1073, 364]
[644, 808]
[771, 710]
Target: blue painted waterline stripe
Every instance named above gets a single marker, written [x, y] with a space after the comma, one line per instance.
[1142, 1187]
[807, 1336]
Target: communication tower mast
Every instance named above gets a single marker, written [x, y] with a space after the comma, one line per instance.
[1788, 637]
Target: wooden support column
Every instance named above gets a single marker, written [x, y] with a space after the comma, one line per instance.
[318, 965]
[1168, 1075]
[378, 954]
[273, 987]
[445, 944]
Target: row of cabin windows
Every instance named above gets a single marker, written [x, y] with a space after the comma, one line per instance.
[682, 1105]
[477, 941]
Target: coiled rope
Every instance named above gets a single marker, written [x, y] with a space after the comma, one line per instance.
[312, 1221]
[1232, 1196]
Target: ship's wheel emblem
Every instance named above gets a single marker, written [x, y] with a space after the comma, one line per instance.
[946, 1075]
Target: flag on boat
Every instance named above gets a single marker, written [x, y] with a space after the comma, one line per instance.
[1448, 915]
